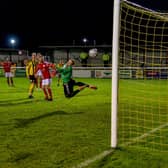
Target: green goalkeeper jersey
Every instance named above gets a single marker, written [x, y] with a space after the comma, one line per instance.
[66, 73]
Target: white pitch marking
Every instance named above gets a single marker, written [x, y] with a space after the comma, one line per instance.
[107, 152]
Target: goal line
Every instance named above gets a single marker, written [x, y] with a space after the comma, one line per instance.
[108, 152]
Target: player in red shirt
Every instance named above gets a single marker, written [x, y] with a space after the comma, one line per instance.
[46, 77]
[7, 71]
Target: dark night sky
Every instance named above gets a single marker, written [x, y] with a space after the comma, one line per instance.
[50, 22]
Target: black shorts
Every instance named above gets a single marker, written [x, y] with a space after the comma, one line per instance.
[68, 88]
[32, 78]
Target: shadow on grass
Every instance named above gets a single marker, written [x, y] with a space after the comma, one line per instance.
[14, 90]
[16, 156]
[15, 102]
[10, 100]
[19, 156]
[23, 122]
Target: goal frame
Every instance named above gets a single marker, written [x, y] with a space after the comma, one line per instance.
[115, 55]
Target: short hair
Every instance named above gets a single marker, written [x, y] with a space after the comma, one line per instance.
[73, 61]
[38, 53]
[33, 53]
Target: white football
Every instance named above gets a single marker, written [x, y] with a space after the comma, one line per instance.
[93, 52]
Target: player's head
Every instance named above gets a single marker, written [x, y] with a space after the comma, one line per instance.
[33, 56]
[40, 58]
[38, 55]
[70, 62]
[25, 62]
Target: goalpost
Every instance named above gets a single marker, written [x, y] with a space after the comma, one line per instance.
[139, 108]
[115, 51]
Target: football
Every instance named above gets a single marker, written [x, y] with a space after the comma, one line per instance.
[93, 52]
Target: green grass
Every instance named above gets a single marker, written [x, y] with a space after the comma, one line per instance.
[143, 108]
[63, 133]
[39, 134]
[142, 126]
[132, 158]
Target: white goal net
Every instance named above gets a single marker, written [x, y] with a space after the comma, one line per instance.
[143, 85]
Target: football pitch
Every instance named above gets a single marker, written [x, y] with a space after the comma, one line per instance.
[64, 133]
[35, 133]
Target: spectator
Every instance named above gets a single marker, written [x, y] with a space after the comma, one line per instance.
[105, 58]
[84, 57]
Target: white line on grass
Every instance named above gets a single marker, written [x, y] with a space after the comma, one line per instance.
[145, 135]
[107, 152]
[97, 157]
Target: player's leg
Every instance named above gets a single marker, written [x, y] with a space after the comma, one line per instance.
[84, 85]
[8, 81]
[7, 78]
[93, 87]
[67, 92]
[37, 82]
[11, 79]
[59, 79]
[68, 89]
[44, 89]
[41, 82]
[39, 79]
[50, 97]
[31, 89]
[32, 85]
[45, 92]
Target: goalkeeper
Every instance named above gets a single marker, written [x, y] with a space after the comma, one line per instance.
[69, 83]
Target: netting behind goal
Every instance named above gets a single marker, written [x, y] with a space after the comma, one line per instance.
[143, 85]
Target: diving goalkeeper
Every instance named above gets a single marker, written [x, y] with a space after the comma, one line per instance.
[69, 83]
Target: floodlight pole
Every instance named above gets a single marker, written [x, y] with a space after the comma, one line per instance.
[115, 53]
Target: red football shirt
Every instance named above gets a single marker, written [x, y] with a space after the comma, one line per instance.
[44, 67]
[7, 66]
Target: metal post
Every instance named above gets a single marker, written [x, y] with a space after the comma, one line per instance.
[115, 53]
